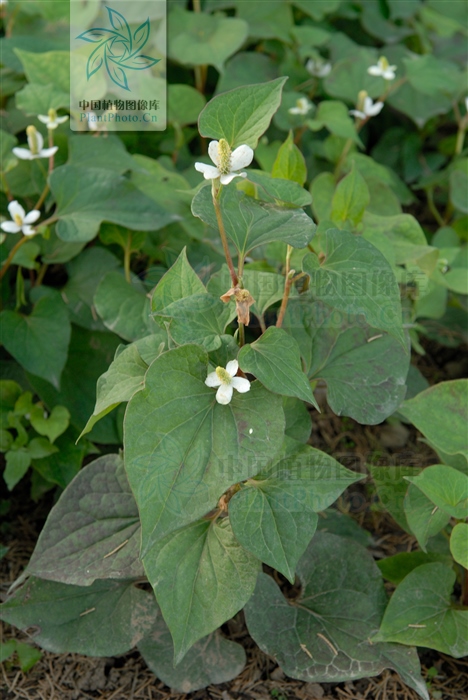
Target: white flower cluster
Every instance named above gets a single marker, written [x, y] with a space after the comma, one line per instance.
[20, 221]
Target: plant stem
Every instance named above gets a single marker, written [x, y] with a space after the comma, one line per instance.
[287, 288]
[11, 255]
[41, 199]
[6, 189]
[127, 256]
[216, 191]
[41, 274]
[241, 335]
[432, 206]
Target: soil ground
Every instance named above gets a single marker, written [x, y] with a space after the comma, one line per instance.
[74, 677]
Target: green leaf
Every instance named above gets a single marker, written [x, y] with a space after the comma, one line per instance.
[298, 422]
[51, 426]
[62, 466]
[48, 75]
[10, 391]
[250, 223]
[86, 151]
[179, 282]
[85, 198]
[391, 489]
[439, 413]
[201, 577]
[274, 515]
[39, 342]
[338, 523]
[90, 355]
[400, 238]
[104, 619]
[36, 98]
[7, 649]
[26, 256]
[446, 487]
[241, 115]
[271, 21]
[93, 531]
[200, 319]
[334, 116]
[357, 280]
[458, 188]
[322, 190]
[125, 376]
[420, 612]
[213, 659]
[397, 567]
[423, 518]
[184, 104]
[365, 369]
[17, 464]
[28, 656]
[50, 67]
[290, 163]
[323, 635]
[276, 190]
[124, 309]
[198, 39]
[276, 361]
[40, 447]
[200, 447]
[350, 199]
[458, 544]
[7, 160]
[432, 75]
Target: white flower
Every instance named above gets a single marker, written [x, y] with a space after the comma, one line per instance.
[368, 109]
[383, 69]
[226, 380]
[20, 220]
[318, 68]
[226, 161]
[51, 120]
[303, 106]
[36, 146]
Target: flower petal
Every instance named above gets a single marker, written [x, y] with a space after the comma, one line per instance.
[209, 171]
[213, 380]
[226, 179]
[10, 227]
[295, 110]
[28, 230]
[374, 109]
[16, 209]
[40, 141]
[47, 152]
[241, 157]
[232, 367]
[224, 394]
[213, 152]
[44, 118]
[31, 216]
[357, 113]
[61, 120]
[374, 70]
[240, 384]
[23, 153]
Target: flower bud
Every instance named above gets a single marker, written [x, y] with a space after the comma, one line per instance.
[32, 139]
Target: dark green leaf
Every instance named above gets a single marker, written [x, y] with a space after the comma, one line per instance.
[93, 531]
[276, 361]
